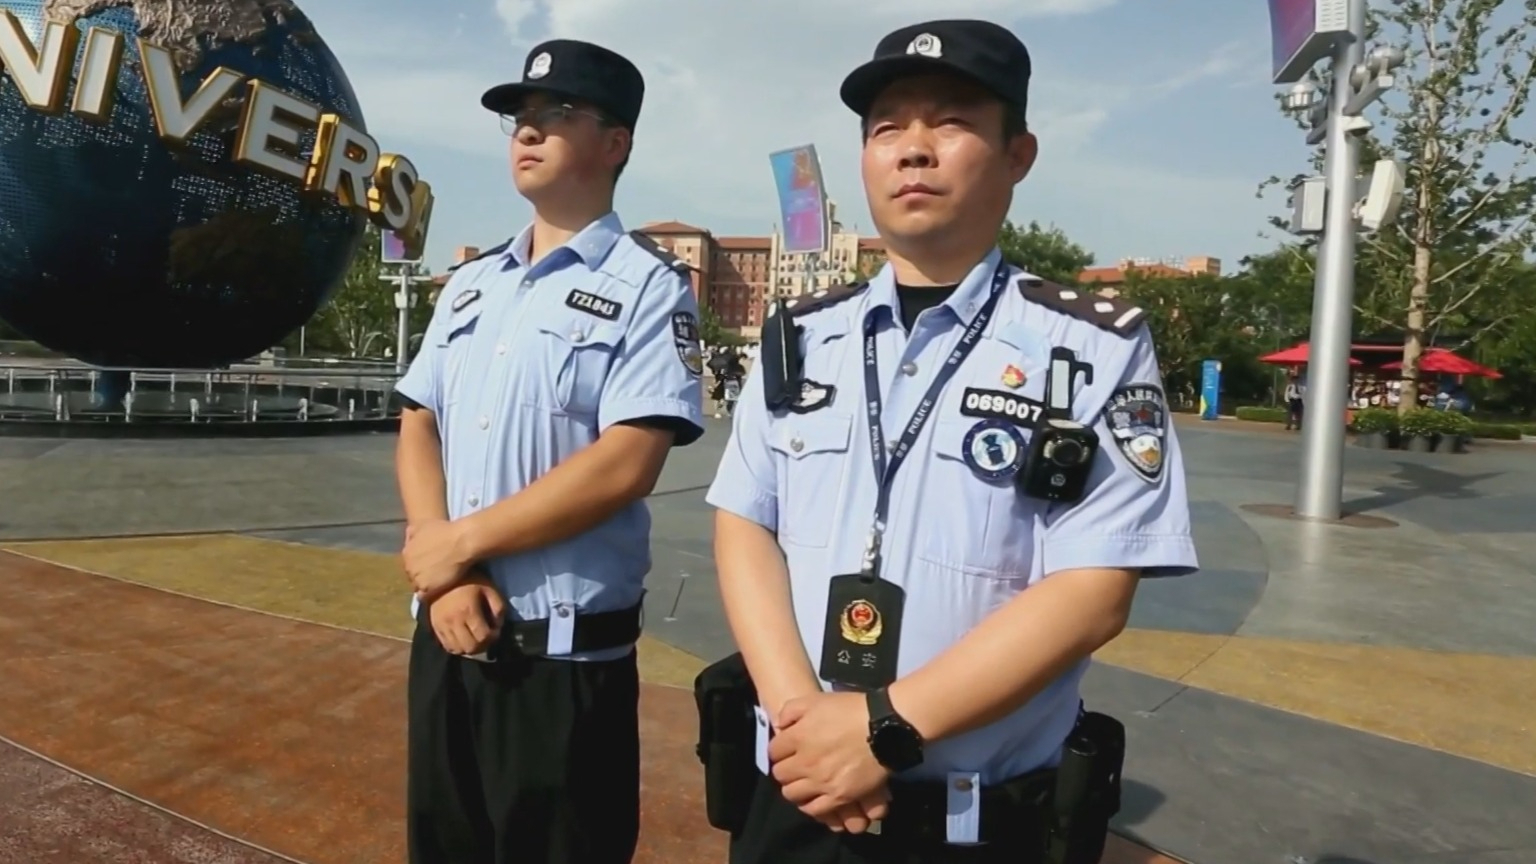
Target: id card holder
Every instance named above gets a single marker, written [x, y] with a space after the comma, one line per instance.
[863, 632]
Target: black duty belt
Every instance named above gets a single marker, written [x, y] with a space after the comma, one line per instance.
[597, 631]
[1015, 812]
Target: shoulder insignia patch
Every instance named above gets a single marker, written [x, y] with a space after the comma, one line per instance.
[815, 301]
[649, 244]
[1106, 313]
[494, 250]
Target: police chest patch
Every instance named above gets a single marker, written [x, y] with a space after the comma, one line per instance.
[1137, 417]
[813, 397]
[592, 304]
[1001, 405]
[685, 336]
[464, 299]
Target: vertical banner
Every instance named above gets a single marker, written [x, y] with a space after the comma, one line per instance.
[1210, 389]
[392, 250]
[802, 199]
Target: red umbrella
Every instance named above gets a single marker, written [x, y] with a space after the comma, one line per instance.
[1438, 361]
[1297, 355]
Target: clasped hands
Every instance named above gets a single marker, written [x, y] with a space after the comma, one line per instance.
[463, 605]
[820, 756]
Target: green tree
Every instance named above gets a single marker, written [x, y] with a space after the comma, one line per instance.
[360, 319]
[1442, 274]
[712, 332]
[1044, 251]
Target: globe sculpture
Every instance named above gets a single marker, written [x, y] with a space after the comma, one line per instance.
[122, 249]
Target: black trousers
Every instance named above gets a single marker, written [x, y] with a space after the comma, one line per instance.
[532, 761]
[776, 832]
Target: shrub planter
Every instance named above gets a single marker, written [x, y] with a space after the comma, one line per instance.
[1420, 443]
[1451, 444]
[1373, 440]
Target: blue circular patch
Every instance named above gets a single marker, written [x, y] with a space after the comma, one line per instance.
[994, 450]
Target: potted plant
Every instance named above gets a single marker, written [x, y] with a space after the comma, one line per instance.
[1421, 429]
[1455, 432]
[1375, 428]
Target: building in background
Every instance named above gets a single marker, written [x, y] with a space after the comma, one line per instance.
[738, 277]
[1109, 280]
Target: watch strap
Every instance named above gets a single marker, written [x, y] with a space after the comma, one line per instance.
[878, 701]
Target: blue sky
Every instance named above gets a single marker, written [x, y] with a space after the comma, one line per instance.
[1156, 119]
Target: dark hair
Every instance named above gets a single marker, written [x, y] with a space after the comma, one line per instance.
[1014, 124]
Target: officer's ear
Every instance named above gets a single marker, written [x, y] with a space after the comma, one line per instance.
[1019, 145]
[619, 142]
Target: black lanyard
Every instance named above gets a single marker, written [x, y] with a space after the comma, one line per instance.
[886, 467]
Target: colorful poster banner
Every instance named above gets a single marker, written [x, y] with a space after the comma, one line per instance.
[802, 199]
[392, 250]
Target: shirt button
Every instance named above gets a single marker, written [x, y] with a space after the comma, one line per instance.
[577, 336]
[474, 500]
[963, 784]
[485, 422]
[909, 369]
[563, 611]
[796, 444]
[501, 349]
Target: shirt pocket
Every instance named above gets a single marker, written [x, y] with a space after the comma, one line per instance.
[575, 354]
[812, 465]
[979, 526]
[454, 349]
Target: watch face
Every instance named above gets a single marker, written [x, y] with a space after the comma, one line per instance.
[897, 746]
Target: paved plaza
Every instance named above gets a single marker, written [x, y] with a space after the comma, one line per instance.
[203, 659]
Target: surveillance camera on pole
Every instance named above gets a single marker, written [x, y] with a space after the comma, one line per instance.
[1305, 34]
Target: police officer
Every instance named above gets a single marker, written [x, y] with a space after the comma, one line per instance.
[922, 538]
[557, 372]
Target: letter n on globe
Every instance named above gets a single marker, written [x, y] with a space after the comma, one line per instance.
[41, 75]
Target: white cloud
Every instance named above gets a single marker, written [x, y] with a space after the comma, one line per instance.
[729, 81]
[732, 81]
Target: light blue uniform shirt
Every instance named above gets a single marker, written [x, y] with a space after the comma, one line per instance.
[524, 365]
[959, 546]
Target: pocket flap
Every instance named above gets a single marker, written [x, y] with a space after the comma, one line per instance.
[799, 436]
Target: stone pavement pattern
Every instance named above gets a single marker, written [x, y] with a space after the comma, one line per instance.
[280, 732]
[1318, 695]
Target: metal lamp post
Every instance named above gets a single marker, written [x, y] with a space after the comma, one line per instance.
[1354, 82]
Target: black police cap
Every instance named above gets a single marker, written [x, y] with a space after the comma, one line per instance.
[580, 72]
[982, 51]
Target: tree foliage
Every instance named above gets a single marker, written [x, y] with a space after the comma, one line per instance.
[360, 319]
[1044, 251]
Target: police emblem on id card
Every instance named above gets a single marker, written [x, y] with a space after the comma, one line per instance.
[863, 632]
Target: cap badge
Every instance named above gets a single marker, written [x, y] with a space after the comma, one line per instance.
[927, 45]
[539, 67]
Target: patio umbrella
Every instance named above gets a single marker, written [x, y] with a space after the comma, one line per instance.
[1296, 355]
[1438, 361]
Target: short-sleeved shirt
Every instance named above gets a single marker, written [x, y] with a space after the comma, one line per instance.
[525, 364]
[959, 545]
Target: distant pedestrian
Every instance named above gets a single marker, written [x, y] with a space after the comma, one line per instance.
[1295, 396]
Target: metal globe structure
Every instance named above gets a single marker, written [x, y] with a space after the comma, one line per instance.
[123, 249]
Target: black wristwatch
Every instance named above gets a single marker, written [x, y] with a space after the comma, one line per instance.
[895, 743]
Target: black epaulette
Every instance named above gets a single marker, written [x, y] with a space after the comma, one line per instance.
[1106, 313]
[494, 250]
[817, 300]
[662, 254]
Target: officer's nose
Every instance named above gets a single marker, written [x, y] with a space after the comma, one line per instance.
[527, 135]
[917, 151]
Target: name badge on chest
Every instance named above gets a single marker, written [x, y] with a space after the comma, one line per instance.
[863, 632]
[608, 310]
